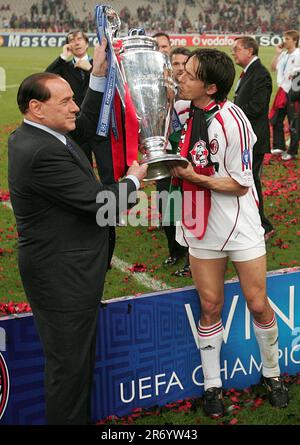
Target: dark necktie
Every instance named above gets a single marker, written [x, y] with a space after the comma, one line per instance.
[71, 148]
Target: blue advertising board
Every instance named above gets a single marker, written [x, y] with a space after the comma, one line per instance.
[148, 352]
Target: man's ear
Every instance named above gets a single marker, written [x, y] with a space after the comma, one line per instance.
[211, 89]
[35, 107]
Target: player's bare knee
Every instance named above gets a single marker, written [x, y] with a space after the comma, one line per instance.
[210, 310]
[257, 306]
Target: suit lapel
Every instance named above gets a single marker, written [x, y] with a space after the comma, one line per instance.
[247, 75]
[250, 70]
[81, 158]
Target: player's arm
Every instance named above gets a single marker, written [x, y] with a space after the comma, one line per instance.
[218, 184]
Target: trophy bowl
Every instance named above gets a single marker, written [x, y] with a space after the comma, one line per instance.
[148, 75]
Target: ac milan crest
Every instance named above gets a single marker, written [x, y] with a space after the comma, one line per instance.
[4, 385]
[214, 146]
[199, 154]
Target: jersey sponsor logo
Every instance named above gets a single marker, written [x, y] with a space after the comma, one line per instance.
[4, 385]
[199, 154]
[246, 157]
[214, 146]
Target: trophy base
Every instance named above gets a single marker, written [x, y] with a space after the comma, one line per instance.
[158, 167]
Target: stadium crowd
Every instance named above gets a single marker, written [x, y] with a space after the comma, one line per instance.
[251, 16]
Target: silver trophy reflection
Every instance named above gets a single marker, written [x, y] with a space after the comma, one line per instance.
[149, 77]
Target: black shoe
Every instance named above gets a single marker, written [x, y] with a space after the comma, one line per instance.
[184, 272]
[171, 260]
[213, 405]
[277, 391]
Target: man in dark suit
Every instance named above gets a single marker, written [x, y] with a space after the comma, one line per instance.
[75, 65]
[252, 95]
[62, 250]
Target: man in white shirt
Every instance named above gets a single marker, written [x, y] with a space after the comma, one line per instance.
[286, 62]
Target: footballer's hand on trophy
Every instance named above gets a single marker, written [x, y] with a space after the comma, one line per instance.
[137, 170]
[83, 64]
[100, 59]
[67, 51]
[141, 149]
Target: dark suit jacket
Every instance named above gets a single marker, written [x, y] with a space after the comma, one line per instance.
[77, 78]
[253, 97]
[62, 250]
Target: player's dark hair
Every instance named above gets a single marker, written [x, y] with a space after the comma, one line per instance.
[248, 42]
[215, 67]
[33, 87]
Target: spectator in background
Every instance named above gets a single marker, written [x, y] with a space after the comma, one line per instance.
[252, 95]
[286, 63]
[178, 58]
[164, 42]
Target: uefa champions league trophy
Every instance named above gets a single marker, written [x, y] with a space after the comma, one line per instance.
[147, 72]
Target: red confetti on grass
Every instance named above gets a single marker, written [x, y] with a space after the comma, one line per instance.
[4, 195]
[14, 308]
[233, 421]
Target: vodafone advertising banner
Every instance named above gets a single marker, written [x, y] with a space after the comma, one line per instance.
[220, 39]
[202, 40]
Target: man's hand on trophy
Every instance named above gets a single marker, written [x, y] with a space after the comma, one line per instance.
[137, 170]
[99, 59]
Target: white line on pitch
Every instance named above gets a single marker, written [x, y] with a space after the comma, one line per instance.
[142, 277]
[12, 86]
[7, 204]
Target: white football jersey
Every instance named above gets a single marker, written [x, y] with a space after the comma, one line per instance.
[234, 222]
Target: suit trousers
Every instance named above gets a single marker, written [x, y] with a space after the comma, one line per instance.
[258, 159]
[278, 128]
[175, 249]
[69, 343]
